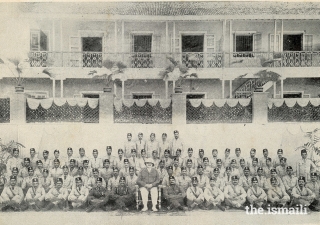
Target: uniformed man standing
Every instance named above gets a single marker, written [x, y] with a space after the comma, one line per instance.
[11, 196]
[140, 144]
[98, 196]
[35, 195]
[82, 157]
[152, 145]
[163, 145]
[27, 181]
[177, 143]
[24, 170]
[123, 196]
[38, 169]
[95, 162]
[57, 196]
[133, 160]
[67, 180]
[73, 170]
[119, 161]
[128, 145]
[235, 195]
[106, 172]
[200, 158]
[213, 195]
[109, 156]
[167, 160]
[190, 156]
[282, 169]
[226, 160]
[195, 195]
[46, 182]
[305, 166]
[47, 163]
[276, 161]
[33, 158]
[175, 195]
[15, 161]
[56, 172]
[92, 180]
[264, 158]
[79, 194]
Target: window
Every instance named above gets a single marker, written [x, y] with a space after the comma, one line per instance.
[292, 95]
[92, 44]
[292, 42]
[141, 49]
[90, 95]
[142, 43]
[192, 50]
[195, 96]
[243, 44]
[37, 94]
[38, 41]
[142, 95]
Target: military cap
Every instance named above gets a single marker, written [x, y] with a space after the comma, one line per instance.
[246, 169]
[233, 161]
[254, 179]
[129, 135]
[15, 150]
[190, 149]
[56, 151]
[169, 168]
[216, 169]
[133, 150]
[265, 150]
[80, 168]
[183, 168]
[253, 150]
[95, 170]
[260, 168]
[161, 161]
[120, 150]
[115, 168]
[131, 168]
[237, 149]
[144, 151]
[167, 151]
[228, 168]
[59, 180]
[176, 132]
[171, 177]
[65, 167]
[235, 177]
[106, 160]
[78, 179]
[13, 177]
[314, 174]
[205, 159]
[35, 179]
[73, 160]
[200, 167]
[303, 151]
[201, 150]
[279, 150]
[109, 147]
[69, 148]
[194, 179]
[126, 160]
[227, 150]
[30, 169]
[176, 159]
[268, 159]
[273, 179]
[85, 161]
[81, 149]
[45, 151]
[45, 171]
[95, 150]
[152, 134]
[212, 179]
[178, 150]
[273, 170]
[283, 159]
[255, 159]
[164, 134]
[302, 178]
[214, 150]
[99, 179]
[26, 159]
[122, 179]
[15, 169]
[242, 160]
[289, 168]
[140, 133]
[155, 151]
[38, 161]
[32, 150]
[219, 160]
[189, 160]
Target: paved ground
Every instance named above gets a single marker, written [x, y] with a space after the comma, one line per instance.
[175, 218]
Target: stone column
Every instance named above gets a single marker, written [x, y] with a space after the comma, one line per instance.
[260, 107]
[18, 108]
[179, 108]
[106, 108]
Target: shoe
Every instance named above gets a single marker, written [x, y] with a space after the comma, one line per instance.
[221, 208]
[66, 209]
[125, 209]
[154, 209]
[144, 209]
[50, 206]
[5, 208]
[89, 209]
[185, 208]
[202, 207]
[169, 208]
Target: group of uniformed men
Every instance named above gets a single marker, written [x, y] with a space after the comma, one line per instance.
[147, 167]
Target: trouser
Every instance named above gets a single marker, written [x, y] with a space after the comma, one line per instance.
[282, 201]
[214, 201]
[98, 202]
[198, 201]
[303, 202]
[175, 201]
[144, 195]
[235, 203]
[77, 201]
[253, 201]
[124, 201]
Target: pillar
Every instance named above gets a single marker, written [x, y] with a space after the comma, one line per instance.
[106, 108]
[179, 108]
[18, 108]
[260, 107]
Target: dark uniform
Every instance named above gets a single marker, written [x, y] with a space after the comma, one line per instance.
[98, 196]
[123, 196]
[174, 195]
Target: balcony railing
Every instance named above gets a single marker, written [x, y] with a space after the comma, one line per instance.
[190, 59]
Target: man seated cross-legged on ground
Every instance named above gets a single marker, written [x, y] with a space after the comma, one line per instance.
[175, 195]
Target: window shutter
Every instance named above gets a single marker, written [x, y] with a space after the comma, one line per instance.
[271, 43]
[156, 42]
[75, 51]
[308, 42]
[210, 43]
[234, 42]
[106, 43]
[35, 41]
[257, 37]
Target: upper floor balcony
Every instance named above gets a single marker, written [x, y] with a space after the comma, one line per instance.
[190, 59]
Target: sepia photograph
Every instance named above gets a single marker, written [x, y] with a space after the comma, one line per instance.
[159, 112]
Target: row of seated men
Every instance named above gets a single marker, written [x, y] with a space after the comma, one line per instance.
[204, 186]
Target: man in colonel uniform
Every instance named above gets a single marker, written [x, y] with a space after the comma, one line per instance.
[123, 195]
[213, 195]
[12, 195]
[98, 196]
[175, 195]
[256, 196]
[78, 195]
[195, 195]
[57, 196]
[35, 195]
[235, 195]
